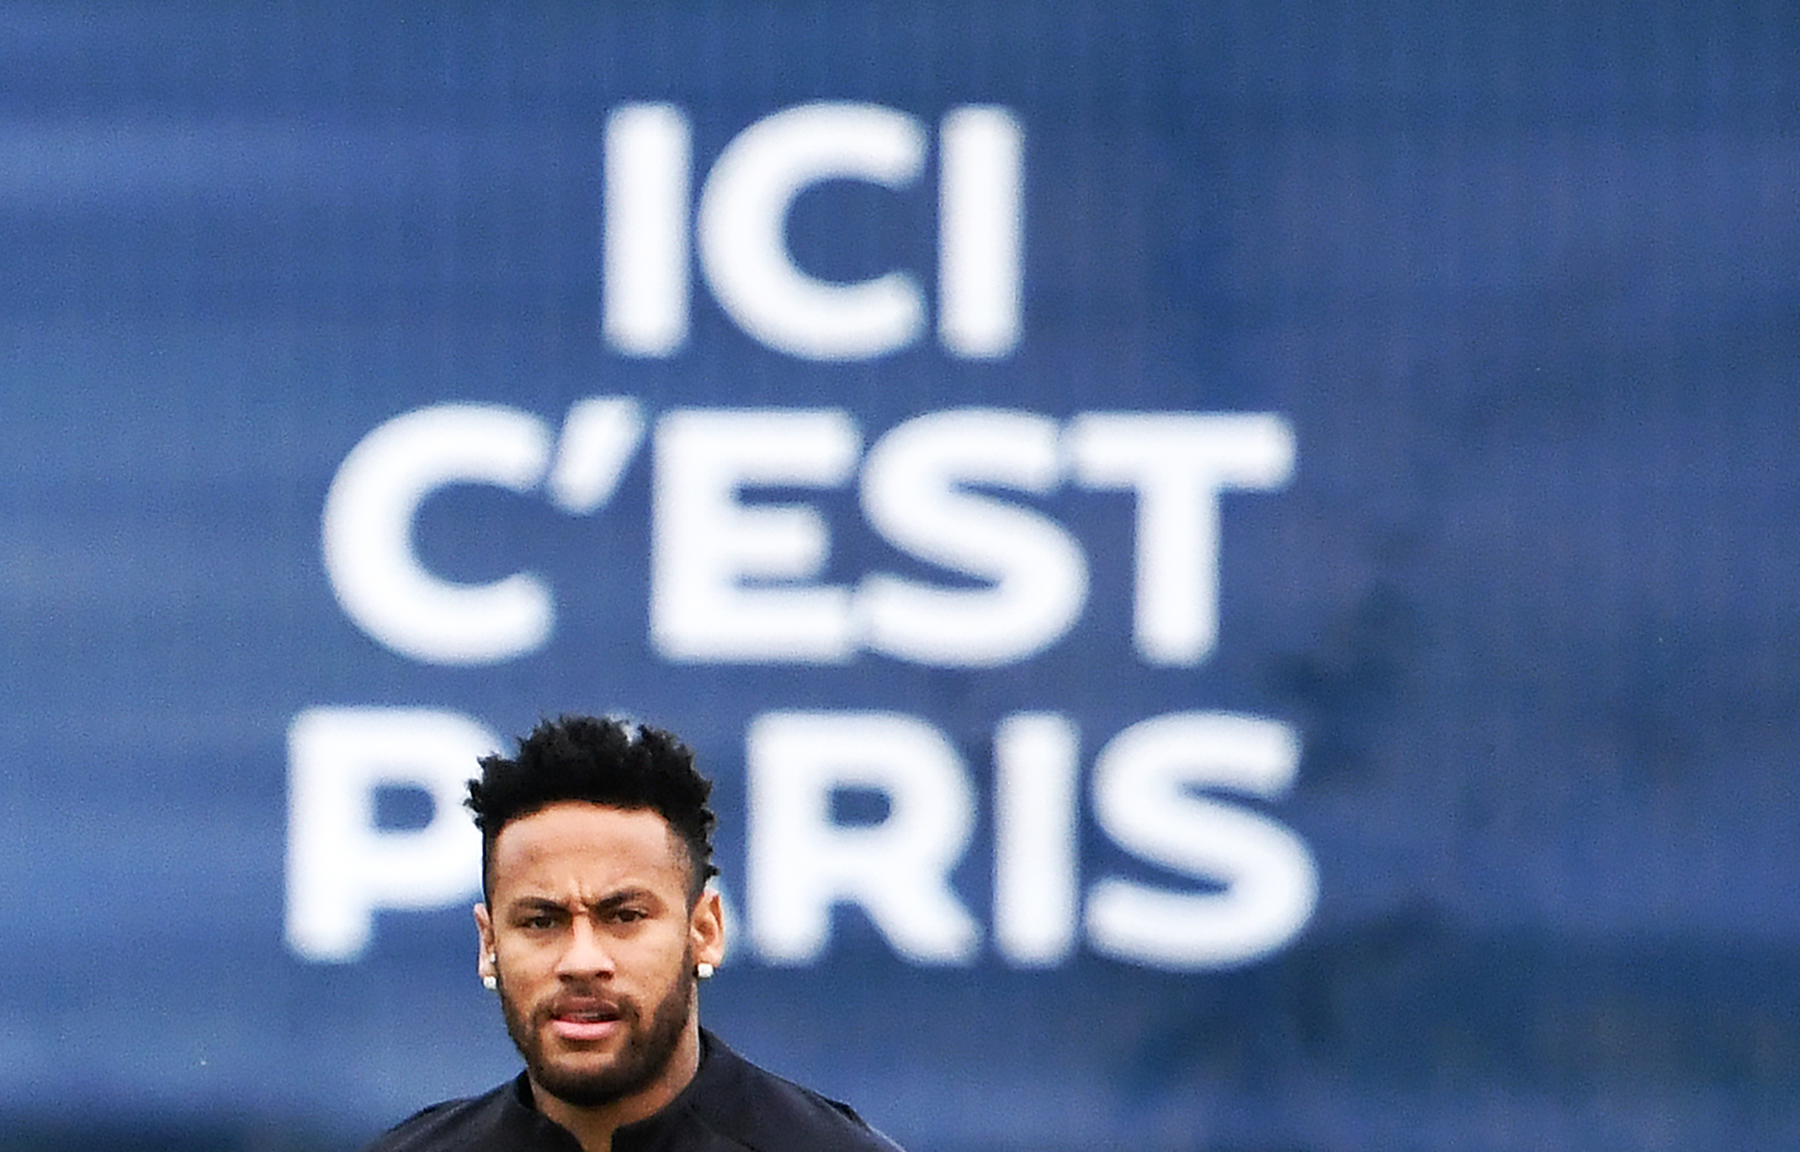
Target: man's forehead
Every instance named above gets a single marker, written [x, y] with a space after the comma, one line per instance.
[572, 832]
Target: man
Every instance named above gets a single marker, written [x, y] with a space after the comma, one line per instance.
[594, 927]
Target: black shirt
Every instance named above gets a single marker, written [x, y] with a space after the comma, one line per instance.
[729, 1106]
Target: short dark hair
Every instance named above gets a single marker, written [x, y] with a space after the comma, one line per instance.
[602, 761]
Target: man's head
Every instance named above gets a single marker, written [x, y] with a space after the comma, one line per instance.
[596, 852]
[601, 761]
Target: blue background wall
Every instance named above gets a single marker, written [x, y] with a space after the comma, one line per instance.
[1520, 278]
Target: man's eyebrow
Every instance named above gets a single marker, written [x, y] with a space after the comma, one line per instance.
[623, 896]
[536, 904]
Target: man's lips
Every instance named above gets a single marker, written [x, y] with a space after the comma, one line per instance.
[586, 1020]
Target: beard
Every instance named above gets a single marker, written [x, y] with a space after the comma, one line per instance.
[648, 1047]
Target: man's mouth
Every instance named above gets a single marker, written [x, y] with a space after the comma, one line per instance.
[583, 1021]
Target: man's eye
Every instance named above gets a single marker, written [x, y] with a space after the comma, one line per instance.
[538, 923]
[628, 915]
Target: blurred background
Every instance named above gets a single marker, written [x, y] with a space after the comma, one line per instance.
[1234, 565]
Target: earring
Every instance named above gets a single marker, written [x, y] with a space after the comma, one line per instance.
[704, 971]
[491, 983]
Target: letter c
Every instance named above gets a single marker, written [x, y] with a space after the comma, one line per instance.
[367, 534]
[742, 228]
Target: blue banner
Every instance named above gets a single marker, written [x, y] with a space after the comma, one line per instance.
[1234, 569]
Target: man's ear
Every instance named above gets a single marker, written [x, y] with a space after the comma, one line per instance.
[484, 930]
[706, 929]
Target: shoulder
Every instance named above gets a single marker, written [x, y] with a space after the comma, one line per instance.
[491, 1123]
[449, 1125]
[762, 1111]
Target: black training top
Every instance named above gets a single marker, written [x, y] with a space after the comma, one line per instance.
[731, 1105]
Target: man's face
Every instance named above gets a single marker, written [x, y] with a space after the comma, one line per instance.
[594, 946]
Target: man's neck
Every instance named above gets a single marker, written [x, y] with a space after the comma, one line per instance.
[593, 1127]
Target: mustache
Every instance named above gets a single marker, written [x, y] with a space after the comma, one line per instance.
[579, 1002]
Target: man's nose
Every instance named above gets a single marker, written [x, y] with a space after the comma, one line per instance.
[587, 954]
